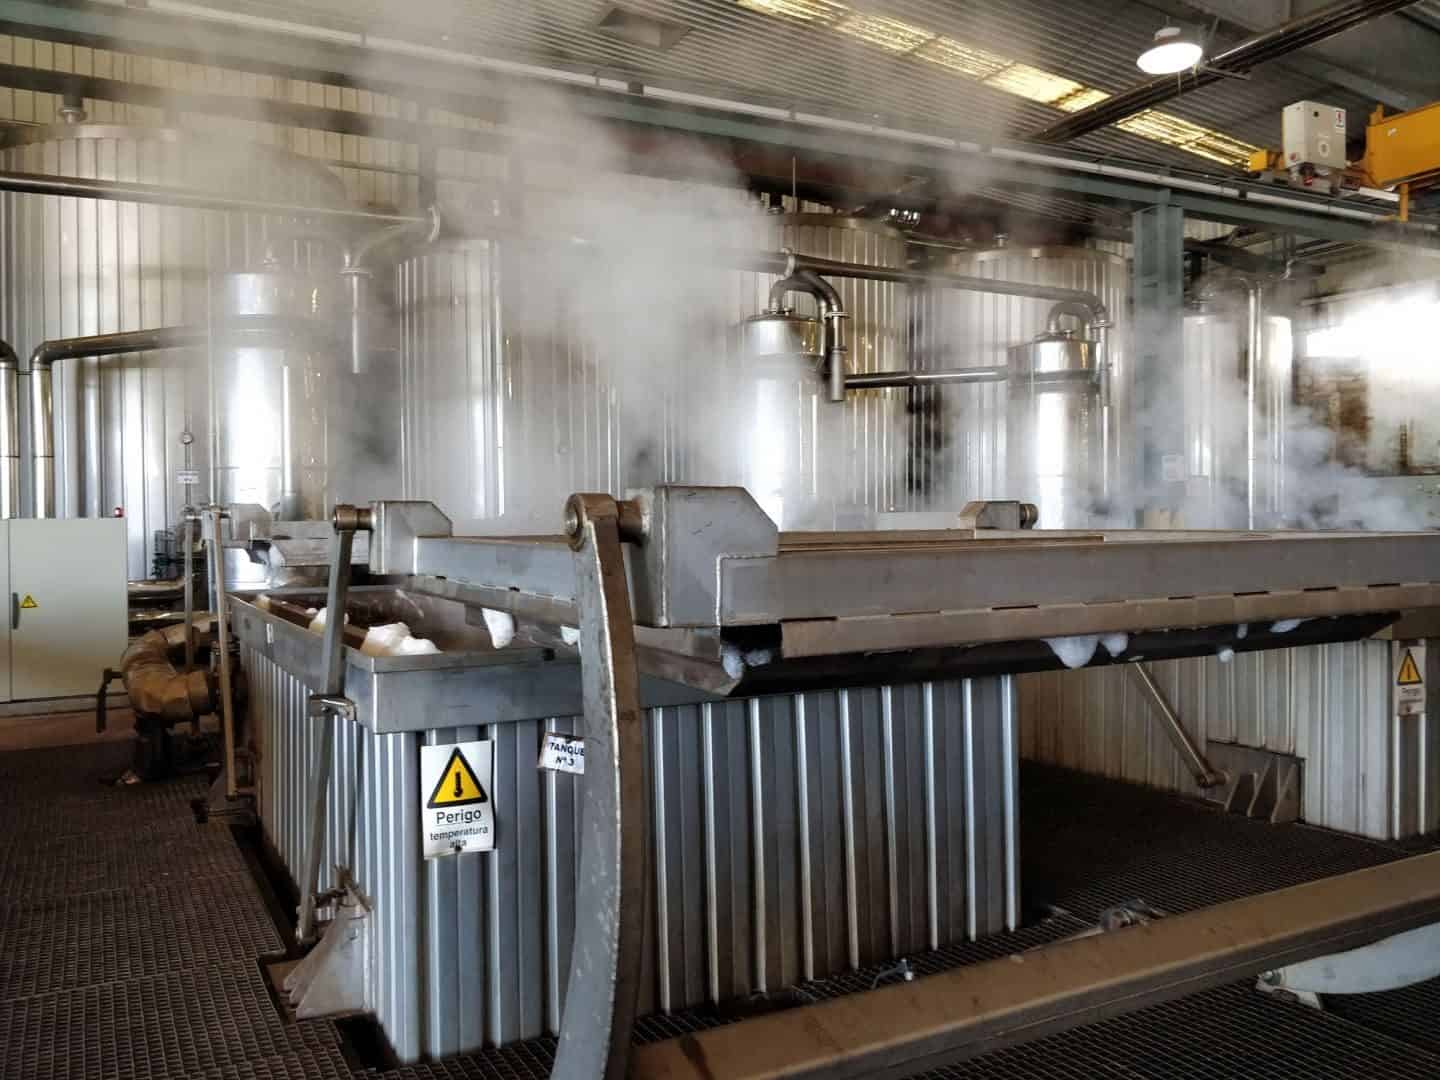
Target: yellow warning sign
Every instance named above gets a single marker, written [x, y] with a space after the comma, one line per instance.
[29, 602]
[458, 784]
[1409, 674]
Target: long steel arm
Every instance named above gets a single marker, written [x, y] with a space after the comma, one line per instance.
[605, 969]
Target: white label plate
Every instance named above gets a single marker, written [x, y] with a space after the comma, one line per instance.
[562, 753]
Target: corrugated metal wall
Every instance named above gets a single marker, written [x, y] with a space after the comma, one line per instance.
[1327, 704]
[795, 837]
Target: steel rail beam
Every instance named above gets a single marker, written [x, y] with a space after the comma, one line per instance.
[1129, 184]
[906, 1028]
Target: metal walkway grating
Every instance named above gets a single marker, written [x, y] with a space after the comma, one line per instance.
[130, 946]
[1233, 1031]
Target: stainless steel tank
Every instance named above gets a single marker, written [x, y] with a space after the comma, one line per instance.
[273, 359]
[809, 462]
[1054, 427]
[526, 375]
[959, 444]
[76, 266]
[1218, 430]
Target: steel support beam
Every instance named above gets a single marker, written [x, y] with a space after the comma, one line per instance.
[906, 1028]
[1159, 406]
[1253, 51]
[816, 138]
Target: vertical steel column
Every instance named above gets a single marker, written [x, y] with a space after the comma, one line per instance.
[1159, 295]
[324, 705]
[605, 966]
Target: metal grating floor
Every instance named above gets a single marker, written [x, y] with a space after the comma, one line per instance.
[131, 942]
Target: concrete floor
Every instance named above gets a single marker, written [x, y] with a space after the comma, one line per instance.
[135, 942]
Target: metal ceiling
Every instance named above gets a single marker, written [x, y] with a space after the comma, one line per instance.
[734, 52]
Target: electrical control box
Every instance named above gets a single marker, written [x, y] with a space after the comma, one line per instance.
[63, 582]
[1313, 134]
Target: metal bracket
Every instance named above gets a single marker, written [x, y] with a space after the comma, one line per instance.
[1260, 784]
[331, 979]
[322, 705]
[606, 962]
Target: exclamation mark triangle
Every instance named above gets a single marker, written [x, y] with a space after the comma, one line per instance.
[458, 785]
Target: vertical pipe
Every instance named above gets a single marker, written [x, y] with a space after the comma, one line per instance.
[42, 439]
[9, 432]
[1253, 349]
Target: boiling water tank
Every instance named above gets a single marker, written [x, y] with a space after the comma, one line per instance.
[75, 266]
[517, 388]
[959, 444]
[1218, 433]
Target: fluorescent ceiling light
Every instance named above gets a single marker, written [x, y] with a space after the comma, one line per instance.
[804, 10]
[1173, 51]
[889, 34]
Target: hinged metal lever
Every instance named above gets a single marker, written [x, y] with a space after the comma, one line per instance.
[329, 704]
[606, 961]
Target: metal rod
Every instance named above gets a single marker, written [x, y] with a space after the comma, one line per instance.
[872, 380]
[1250, 53]
[188, 528]
[333, 650]
[186, 198]
[1205, 774]
[909, 1028]
[216, 555]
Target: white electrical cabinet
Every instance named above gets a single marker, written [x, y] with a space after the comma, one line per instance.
[64, 581]
[1313, 134]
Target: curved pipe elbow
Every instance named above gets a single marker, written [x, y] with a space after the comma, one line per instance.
[360, 256]
[1074, 309]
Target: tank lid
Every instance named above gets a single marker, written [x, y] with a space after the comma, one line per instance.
[781, 333]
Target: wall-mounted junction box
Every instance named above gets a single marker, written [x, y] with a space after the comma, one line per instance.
[63, 582]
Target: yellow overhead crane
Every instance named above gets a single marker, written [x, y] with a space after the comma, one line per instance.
[1402, 153]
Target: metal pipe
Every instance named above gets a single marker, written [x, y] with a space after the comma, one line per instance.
[873, 380]
[1268, 45]
[1072, 309]
[788, 262]
[216, 555]
[832, 312]
[1254, 347]
[155, 688]
[9, 432]
[1205, 774]
[42, 403]
[186, 198]
[360, 258]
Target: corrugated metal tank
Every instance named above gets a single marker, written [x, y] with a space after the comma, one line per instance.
[516, 396]
[796, 837]
[958, 445]
[78, 266]
[1216, 438]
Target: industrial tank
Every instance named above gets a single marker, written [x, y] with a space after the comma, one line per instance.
[77, 266]
[1217, 431]
[958, 441]
[809, 462]
[529, 372]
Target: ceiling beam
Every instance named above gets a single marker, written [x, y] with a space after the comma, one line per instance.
[1236, 60]
[829, 146]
